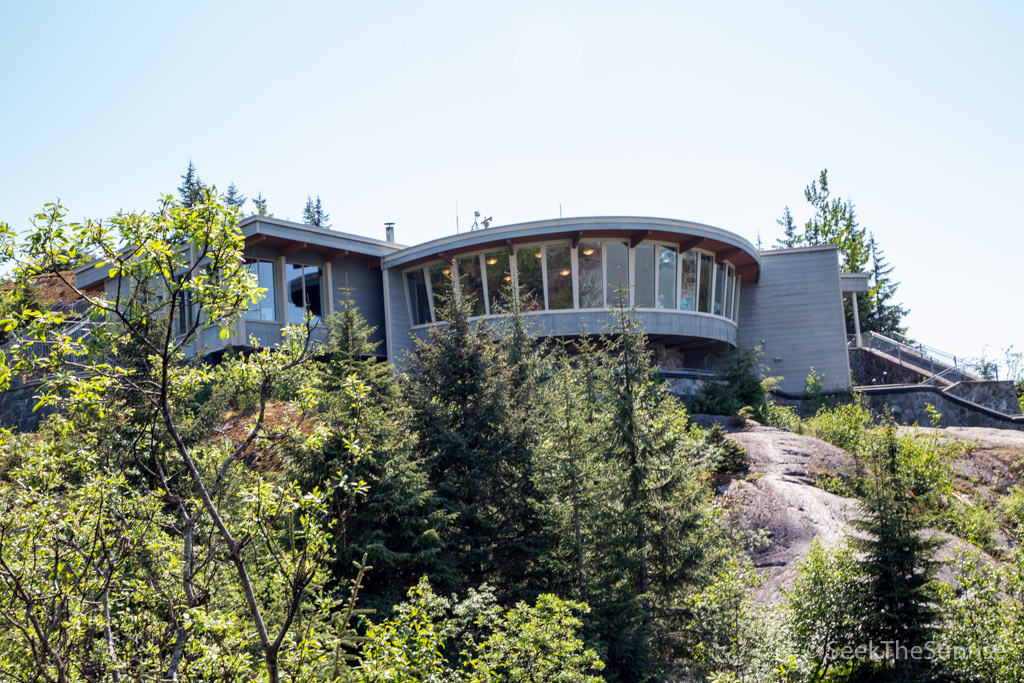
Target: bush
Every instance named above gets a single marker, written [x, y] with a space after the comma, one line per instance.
[842, 425]
[731, 457]
[977, 524]
[738, 385]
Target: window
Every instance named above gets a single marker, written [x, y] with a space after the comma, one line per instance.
[688, 293]
[617, 274]
[704, 284]
[302, 283]
[666, 277]
[499, 281]
[729, 284]
[441, 286]
[418, 298]
[183, 309]
[591, 275]
[265, 308]
[471, 284]
[646, 275]
[529, 262]
[719, 289]
[559, 266]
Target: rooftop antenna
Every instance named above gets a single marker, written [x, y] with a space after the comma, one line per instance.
[559, 210]
[456, 215]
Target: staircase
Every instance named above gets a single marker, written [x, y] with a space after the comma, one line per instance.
[937, 368]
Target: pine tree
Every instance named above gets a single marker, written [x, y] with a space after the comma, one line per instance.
[234, 198]
[261, 206]
[313, 213]
[479, 450]
[896, 559]
[398, 523]
[192, 188]
[879, 311]
[791, 238]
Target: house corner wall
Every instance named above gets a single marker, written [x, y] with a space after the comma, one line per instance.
[795, 313]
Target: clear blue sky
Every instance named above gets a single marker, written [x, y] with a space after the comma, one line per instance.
[713, 112]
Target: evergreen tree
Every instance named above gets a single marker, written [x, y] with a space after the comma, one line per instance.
[879, 311]
[896, 560]
[234, 198]
[479, 449]
[397, 523]
[313, 213]
[791, 238]
[261, 206]
[192, 188]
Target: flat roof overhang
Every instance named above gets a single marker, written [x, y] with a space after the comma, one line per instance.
[725, 245]
[287, 238]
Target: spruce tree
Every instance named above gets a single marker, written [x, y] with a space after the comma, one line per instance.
[791, 238]
[479, 450]
[261, 206]
[398, 522]
[234, 198]
[880, 312]
[192, 188]
[313, 213]
[896, 561]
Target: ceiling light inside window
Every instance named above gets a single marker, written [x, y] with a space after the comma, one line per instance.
[491, 261]
[508, 278]
[447, 271]
[564, 272]
[588, 252]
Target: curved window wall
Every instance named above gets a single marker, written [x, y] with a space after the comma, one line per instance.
[597, 274]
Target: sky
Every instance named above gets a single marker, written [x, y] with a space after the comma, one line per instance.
[719, 113]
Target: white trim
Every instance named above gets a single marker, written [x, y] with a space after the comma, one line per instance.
[388, 344]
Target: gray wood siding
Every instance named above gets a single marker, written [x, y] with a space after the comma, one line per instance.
[401, 341]
[367, 290]
[796, 309]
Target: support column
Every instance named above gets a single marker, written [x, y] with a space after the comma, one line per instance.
[856, 321]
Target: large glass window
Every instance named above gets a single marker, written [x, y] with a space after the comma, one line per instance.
[666, 277]
[729, 284]
[441, 286]
[688, 293]
[418, 298]
[704, 284]
[559, 276]
[591, 277]
[736, 301]
[646, 275]
[499, 281]
[471, 284]
[302, 283]
[720, 289]
[531, 278]
[617, 274]
[265, 308]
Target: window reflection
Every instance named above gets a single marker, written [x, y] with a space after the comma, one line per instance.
[704, 283]
[666, 277]
[302, 283]
[719, 289]
[499, 281]
[531, 278]
[559, 277]
[646, 271]
[418, 296]
[591, 276]
[688, 294]
[728, 291]
[441, 286]
[471, 285]
[617, 274]
[265, 308]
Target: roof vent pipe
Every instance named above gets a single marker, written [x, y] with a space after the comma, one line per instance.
[389, 231]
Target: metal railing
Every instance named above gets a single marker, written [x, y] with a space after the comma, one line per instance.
[928, 359]
[32, 347]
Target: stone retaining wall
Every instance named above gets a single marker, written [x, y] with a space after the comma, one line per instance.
[16, 407]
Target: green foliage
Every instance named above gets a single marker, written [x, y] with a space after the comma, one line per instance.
[896, 557]
[739, 384]
[974, 522]
[429, 638]
[730, 456]
[843, 425]
[260, 202]
[982, 629]
[234, 198]
[827, 605]
[1012, 509]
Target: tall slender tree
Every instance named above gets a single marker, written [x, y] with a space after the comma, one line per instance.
[313, 213]
[261, 205]
[192, 188]
[233, 197]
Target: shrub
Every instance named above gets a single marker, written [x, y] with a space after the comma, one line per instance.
[842, 425]
[737, 385]
[731, 457]
[977, 524]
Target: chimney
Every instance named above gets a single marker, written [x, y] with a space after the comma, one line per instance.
[389, 231]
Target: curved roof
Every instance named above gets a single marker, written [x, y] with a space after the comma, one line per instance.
[688, 235]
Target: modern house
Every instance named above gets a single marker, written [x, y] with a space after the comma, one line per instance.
[700, 290]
